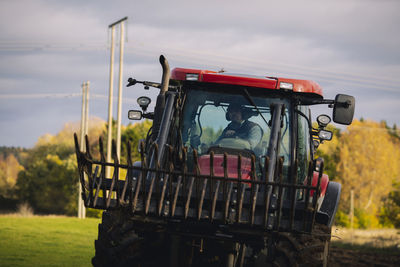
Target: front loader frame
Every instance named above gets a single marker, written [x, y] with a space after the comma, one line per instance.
[189, 203]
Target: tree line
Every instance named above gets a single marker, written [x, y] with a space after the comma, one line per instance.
[46, 176]
[364, 158]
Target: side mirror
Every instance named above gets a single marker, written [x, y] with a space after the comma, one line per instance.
[343, 109]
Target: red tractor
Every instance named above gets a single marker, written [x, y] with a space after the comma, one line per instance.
[227, 175]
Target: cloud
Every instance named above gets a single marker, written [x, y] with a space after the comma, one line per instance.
[53, 46]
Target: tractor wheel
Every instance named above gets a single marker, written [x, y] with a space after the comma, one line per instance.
[299, 249]
[118, 244]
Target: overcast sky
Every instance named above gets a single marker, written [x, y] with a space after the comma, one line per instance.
[49, 48]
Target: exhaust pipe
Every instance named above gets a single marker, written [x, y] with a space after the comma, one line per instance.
[160, 104]
[165, 75]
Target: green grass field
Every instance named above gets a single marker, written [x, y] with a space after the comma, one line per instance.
[67, 241]
[47, 241]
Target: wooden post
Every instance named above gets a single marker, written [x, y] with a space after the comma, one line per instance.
[352, 214]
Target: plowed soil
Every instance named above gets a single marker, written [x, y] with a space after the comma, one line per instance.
[349, 257]
[379, 247]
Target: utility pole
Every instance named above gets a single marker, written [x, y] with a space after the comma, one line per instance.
[84, 132]
[121, 60]
[110, 99]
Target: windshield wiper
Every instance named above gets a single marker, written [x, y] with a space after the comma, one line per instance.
[250, 99]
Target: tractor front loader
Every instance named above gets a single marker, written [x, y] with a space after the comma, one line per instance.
[208, 194]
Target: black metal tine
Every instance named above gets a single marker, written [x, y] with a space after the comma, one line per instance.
[190, 187]
[267, 192]
[307, 197]
[242, 192]
[89, 167]
[92, 187]
[137, 191]
[115, 174]
[317, 190]
[214, 200]
[103, 171]
[162, 196]
[116, 171]
[196, 172]
[130, 174]
[77, 149]
[140, 178]
[124, 188]
[228, 200]
[88, 173]
[239, 190]
[128, 149]
[294, 193]
[166, 182]
[87, 144]
[202, 194]
[178, 185]
[211, 185]
[81, 165]
[280, 192]
[171, 178]
[254, 191]
[96, 195]
[148, 199]
[189, 196]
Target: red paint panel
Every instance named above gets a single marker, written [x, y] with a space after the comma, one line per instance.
[324, 183]
[232, 166]
[299, 86]
[302, 86]
[180, 73]
[240, 80]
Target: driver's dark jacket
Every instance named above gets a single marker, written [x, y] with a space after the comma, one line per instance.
[247, 130]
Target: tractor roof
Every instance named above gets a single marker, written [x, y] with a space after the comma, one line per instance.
[298, 86]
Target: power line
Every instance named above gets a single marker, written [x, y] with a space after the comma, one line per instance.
[30, 96]
[65, 95]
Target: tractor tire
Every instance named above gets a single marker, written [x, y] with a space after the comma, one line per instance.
[299, 249]
[118, 244]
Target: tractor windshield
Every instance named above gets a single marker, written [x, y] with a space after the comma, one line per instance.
[228, 122]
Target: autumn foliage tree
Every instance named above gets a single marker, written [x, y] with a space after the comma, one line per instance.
[49, 182]
[368, 165]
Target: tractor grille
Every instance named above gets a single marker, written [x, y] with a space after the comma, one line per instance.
[188, 194]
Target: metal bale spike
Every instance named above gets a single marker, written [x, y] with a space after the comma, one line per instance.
[202, 195]
[123, 192]
[190, 187]
[103, 173]
[152, 179]
[254, 189]
[140, 178]
[226, 192]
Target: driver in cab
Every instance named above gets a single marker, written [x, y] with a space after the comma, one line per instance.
[240, 127]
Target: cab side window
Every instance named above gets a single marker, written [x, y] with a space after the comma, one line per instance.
[303, 144]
